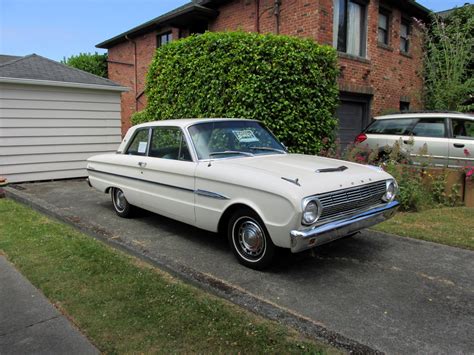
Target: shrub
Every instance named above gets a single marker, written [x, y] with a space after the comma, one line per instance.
[93, 63]
[286, 82]
[420, 187]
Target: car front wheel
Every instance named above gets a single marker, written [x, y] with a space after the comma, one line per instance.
[249, 240]
[121, 205]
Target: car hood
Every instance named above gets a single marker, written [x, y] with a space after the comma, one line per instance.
[310, 174]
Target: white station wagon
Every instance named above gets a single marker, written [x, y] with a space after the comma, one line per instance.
[233, 176]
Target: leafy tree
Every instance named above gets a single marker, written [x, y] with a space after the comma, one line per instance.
[93, 63]
[288, 83]
[449, 60]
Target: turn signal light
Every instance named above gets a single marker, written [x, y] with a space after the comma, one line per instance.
[360, 138]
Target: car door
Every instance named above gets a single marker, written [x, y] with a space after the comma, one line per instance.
[169, 174]
[128, 171]
[429, 144]
[461, 143]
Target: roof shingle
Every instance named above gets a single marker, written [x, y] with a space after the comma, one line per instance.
[37, 67]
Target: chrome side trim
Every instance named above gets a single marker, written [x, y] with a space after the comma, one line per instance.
[309, 238]
[205, 193]
[211, 194]
[143, 180]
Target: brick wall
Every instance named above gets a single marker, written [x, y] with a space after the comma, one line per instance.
[386, 74]
[121, 64]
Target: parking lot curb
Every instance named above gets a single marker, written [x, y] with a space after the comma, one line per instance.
[206, 282]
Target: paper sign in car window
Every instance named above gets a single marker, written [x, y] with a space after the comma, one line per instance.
[142, 147]
[245, 136]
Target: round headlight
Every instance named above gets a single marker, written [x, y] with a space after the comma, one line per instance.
[311, 212]
[391, 191]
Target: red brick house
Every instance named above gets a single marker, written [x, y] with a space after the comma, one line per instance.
[378, 42]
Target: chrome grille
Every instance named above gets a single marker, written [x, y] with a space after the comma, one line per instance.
[342, 203]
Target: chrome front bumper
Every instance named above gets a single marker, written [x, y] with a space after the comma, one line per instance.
[309, 238]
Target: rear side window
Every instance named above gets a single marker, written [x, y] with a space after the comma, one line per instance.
[430, 127]
[139, 143]
[399, 127]
[463, 129]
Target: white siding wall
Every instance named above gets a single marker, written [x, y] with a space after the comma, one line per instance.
[48, 132]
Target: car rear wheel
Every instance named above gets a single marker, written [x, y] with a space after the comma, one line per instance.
[249, 240]
[121, 205]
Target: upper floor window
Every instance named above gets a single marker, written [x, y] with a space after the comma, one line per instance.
[404, 36]
[383, 31]
[164, 38]
[349, 26]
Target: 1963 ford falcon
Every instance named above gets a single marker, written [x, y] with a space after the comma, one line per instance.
[233, 176]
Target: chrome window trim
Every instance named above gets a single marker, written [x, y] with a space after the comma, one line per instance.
[186, 128]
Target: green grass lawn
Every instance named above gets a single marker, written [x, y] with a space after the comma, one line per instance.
[450, 226]
[123, 305]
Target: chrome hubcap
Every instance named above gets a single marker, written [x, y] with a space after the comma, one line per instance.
[120, 201]
[251, 238]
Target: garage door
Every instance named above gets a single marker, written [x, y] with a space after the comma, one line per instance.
[353, 117]
[48, 132]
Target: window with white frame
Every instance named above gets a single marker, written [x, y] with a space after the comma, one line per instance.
[350, 26]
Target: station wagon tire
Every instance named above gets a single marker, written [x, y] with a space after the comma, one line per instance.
[121, 205]
[249, 240]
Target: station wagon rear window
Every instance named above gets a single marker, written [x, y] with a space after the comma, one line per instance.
[399, 127]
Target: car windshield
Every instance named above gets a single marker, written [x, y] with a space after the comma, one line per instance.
[222, 139]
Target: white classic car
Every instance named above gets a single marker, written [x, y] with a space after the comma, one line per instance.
[233, 176]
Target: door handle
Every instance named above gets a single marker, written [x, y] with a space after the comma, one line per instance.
[141, 164]
[458, 145]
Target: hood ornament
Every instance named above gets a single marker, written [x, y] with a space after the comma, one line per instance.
[293, 181]
[331, 170]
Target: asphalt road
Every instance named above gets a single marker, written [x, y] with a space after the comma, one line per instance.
[393, 294]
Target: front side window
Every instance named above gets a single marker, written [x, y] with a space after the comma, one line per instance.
[430, 127]
[404, 36]
[383, 30]
[398, 127]
[169, 143]
[233, 138]
[164, 38]
[349, 27]
[463, 129]
[139, 143]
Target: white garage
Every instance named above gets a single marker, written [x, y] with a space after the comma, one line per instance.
[53, 117]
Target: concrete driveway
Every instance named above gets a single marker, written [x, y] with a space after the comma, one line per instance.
[391, 294]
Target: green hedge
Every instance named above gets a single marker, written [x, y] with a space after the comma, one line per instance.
[288, 83]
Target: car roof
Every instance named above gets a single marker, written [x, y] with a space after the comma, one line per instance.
[425, 114]
[186, 122]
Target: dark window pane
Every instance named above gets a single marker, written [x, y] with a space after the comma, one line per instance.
[404, 37]
[400, 127]
[164, 38]
[383, 28]
[463, 129]
[430, 128]
[404, 106]
[139, 143]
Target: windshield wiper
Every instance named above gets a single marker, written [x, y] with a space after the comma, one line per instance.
[269, 148]
[226, 152]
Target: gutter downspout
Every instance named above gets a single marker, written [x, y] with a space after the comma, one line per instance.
[276, 12]
[135, 69]
[257, 16]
